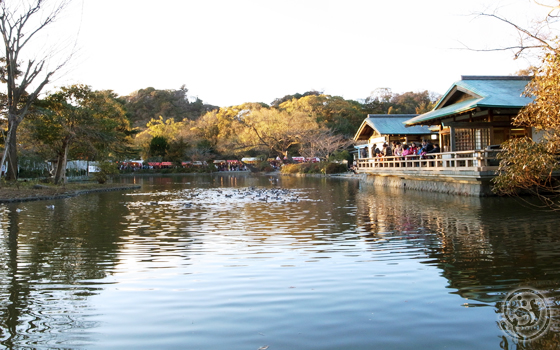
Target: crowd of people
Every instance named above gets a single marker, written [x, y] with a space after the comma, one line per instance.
[231, 166]
[398, 149]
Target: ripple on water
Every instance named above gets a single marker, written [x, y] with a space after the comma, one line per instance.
[180, 265]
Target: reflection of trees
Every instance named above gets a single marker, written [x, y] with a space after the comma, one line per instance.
[49, 254]
[477, 242]
[548, 341]
[485, 247]
[11, 285]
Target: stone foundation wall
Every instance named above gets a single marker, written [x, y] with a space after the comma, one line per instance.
[459, 185]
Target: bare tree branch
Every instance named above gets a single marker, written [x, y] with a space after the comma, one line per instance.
[17, 31]
[542, 42]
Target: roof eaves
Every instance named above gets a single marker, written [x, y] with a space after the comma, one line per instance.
[365, 123]
[444, 112]
[444, 96]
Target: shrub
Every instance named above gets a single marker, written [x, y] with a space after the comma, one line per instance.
[290, 169]
[303, 168]
[212, 167]
[340, 156]
[335, 168]
[261, 166]
[105, 168]
[310, 168]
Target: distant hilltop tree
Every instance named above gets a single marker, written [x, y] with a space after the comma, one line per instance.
[277, 102]
[145, 104]
[384, 101]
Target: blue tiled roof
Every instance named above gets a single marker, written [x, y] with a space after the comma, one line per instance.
[392, 124]
[395, 126]
[487, 92]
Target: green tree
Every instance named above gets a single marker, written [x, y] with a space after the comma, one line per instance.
[177, 150]
[384, 101]
[159, 146]
[146, 104]
[91, 123]
[412, 102]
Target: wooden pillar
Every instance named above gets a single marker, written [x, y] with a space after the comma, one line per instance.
[452, 138]
[491, 119]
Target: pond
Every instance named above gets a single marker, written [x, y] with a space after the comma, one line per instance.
[249, 262]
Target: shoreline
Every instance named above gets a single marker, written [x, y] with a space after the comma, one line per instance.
[72, 189]
[16, 195]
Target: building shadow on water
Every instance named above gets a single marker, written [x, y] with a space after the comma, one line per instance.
[484, 247]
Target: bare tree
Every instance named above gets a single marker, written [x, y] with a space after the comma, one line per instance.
[24, 78]
[274, 130]
[531, 164]
[322, 143]
[540, 35]
[199, 154]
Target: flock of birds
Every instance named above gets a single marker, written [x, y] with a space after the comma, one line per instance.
[230, 196]
[221, 196]
[191, 197]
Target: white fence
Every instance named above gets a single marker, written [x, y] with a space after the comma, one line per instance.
[75, 169]
[478, 161]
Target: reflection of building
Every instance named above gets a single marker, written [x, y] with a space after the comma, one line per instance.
[484, 247]
[472, 118]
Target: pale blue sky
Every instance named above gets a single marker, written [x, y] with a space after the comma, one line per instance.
[232, 51]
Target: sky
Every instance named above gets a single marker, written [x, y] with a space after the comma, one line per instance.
[228, 52]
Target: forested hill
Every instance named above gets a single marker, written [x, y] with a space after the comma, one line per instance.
[341, 115]
[145, 104]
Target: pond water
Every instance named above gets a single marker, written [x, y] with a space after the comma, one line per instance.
[246, 262]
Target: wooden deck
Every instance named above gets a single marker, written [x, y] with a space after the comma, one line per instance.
[468, 163]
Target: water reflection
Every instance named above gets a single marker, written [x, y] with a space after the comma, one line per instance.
[343, 258]
[485, 247]
[51, 256]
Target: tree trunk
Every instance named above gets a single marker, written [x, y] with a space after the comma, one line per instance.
[10, 157]
[60, 174]
[286, 157]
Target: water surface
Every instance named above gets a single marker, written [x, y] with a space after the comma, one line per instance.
[206, 262]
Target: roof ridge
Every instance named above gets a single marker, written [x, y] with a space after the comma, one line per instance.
[496, 77]
[391, 115]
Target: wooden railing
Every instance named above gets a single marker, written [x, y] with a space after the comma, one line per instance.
[479, 161]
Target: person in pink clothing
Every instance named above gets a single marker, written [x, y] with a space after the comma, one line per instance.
[397, 149]
[406, 151]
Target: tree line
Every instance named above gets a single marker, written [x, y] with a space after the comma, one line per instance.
[77, 122]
